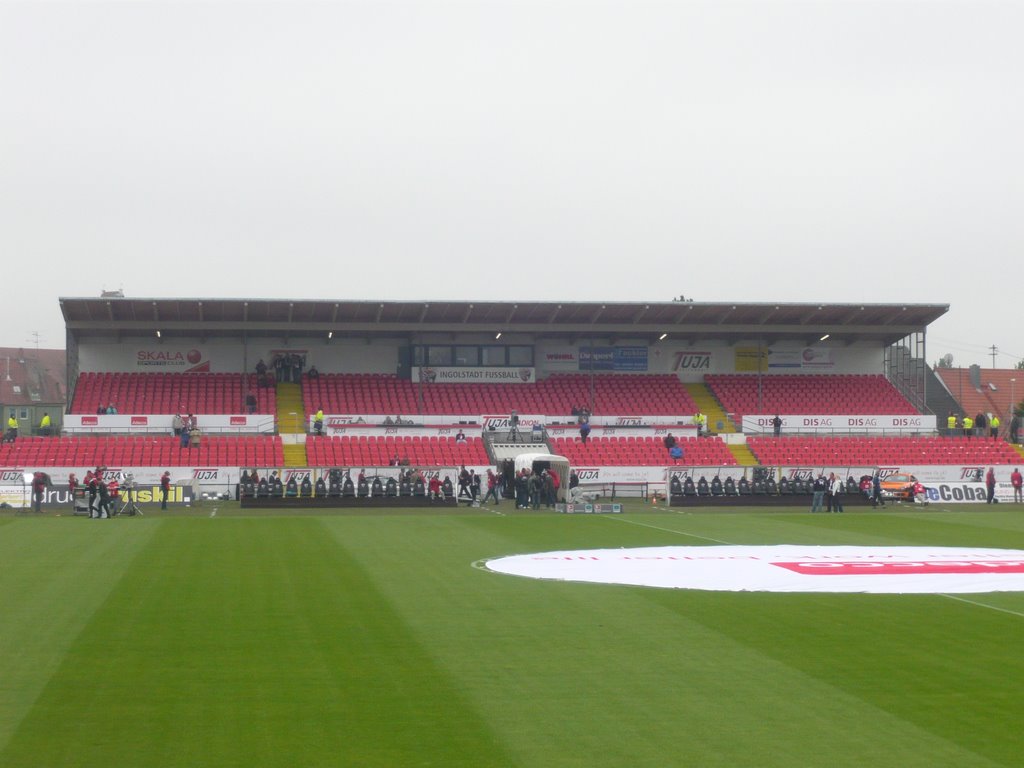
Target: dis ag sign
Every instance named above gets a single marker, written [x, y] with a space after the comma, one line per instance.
[784, 568]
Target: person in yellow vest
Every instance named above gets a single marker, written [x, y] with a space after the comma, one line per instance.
[44, 424]
[951, 424]
[994, 424]
[318, 422]
[12, 429]
[968, 423]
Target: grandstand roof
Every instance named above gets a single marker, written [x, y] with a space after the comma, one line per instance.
[125, 317]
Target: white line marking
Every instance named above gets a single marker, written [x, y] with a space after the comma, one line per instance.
[213, 512]
[667, 530]
[982, 605]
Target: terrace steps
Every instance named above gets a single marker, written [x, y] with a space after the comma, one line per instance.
[710, 407]
[743, 455]
[290, 413]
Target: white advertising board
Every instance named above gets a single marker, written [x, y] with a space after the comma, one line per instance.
[256, 423]
[761, 424]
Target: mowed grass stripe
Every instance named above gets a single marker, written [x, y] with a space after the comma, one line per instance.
[54, 575]
[255, 642]
[594, 675]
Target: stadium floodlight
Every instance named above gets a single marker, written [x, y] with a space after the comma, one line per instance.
[497, 335]
[158, 334]
[663, 337]
[825, 337]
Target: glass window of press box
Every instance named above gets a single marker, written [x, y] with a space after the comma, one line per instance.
[473, 355]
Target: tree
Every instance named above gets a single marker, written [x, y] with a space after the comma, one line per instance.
[1020, 365]
[946, 361]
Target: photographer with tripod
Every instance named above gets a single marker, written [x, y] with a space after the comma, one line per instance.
[513, 432]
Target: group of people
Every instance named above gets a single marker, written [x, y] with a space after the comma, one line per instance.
[186, 429]
[535, 488]
[675, 450]
[981, 425]
[287, 367]
[109, 410]
[828, 492]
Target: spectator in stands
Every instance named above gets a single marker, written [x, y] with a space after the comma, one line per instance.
[980, 424]
[584, 432]
[951, 424]
[261, 369]
[165, 488]
[12, 429]
[700, 421]
[777, 425]
[194, 436]
[313, 373]
[101, 410]
[318, 422]
[676, 453]
[44, 424]
[184, 436]
[670, 441]
[176, 424]
[250, 403]
[1015, 429]
[968, 423]
[460, 437]
[296, 362]
[994, 426]
[990, 485]
[1017, 481]
[112, 410]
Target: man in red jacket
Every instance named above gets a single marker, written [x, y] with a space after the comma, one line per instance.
[1018, 483]
[990, 485]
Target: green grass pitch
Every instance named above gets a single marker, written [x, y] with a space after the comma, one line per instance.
[372, 640]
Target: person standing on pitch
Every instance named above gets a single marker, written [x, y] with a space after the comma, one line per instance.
[492, 488]
[1017, 481]
[820, 486]
[990, 485]
[165, 488]
[837, 488]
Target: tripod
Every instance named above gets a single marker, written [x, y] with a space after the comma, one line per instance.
[513, 433]
[129, 507]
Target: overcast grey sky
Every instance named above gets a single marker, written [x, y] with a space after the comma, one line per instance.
[839, 150]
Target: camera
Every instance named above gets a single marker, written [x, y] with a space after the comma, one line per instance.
[514, 419]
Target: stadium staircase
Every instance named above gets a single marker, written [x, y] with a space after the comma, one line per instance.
[291, 424]
[710, 407]
[743, 455]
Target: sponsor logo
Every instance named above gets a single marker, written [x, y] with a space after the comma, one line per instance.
[90, 421]
[171, 359]
[907, 421]
[337, 421]
[588, 475]
[560, 357]
[428, 375]
[884, 472]
[799, 473]
[444, 431]
[629, 421]
[140, 421]
[298, 475]
[237, 421]
[913, 566]
[8, 476]
[505, 422]
[387, 431]
[817, 421]
[971, 473]
[692, 361]
[861, 421]
[609, 430]
[204, 474]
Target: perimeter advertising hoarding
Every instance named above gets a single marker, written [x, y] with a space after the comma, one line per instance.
[262, 423]
[761, 424]
[627, 359]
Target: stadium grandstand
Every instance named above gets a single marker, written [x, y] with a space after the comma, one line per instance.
[304, 387]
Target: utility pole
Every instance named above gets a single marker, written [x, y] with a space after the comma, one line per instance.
[994, 353]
